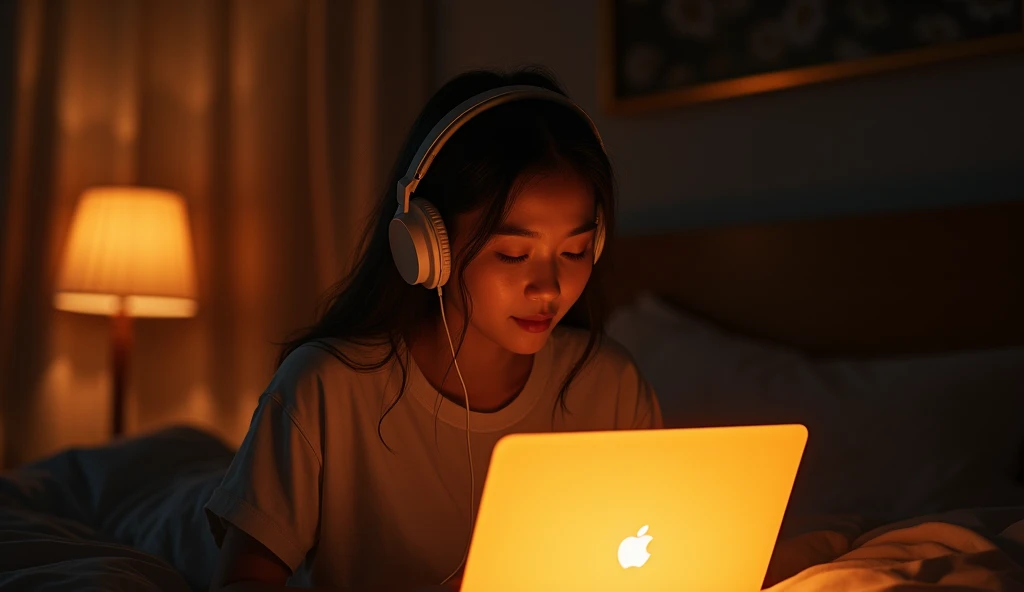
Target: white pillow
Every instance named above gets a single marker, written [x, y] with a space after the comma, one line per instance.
[889, 438]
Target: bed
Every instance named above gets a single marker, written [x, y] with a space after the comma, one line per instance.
[897, 338]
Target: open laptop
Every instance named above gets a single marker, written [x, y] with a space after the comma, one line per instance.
[649, 510]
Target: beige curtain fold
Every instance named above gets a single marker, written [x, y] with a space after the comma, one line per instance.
[276, 119]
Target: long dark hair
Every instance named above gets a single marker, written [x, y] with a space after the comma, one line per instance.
[483, 165]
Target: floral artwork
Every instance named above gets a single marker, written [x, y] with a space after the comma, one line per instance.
[666, 52]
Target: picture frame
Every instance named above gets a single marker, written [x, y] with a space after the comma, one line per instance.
[662, 54]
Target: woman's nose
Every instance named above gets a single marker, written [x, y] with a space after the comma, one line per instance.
[544, 284]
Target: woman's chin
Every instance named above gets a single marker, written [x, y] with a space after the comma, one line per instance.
[513, 338]
[526, 350]
[528, 344]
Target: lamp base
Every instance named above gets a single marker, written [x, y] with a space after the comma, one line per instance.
[121, 342]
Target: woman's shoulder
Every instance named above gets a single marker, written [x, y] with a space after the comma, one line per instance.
[326, 354]
[330, 362]
[328, 384]
[616, 392]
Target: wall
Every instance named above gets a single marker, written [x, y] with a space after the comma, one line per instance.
[921, 137]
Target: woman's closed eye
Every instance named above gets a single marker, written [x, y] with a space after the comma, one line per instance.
[511, 259]
[568, 255]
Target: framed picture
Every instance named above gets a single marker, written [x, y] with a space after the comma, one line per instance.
[665, 53]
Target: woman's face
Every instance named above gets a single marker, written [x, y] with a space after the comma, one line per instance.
[534, 268]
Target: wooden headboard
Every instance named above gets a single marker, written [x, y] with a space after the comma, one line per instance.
[881, 284]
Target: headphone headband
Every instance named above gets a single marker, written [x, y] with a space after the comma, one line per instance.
[417, 235]
[465, 111]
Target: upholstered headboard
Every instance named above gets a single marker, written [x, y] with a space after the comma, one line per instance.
[880, 284]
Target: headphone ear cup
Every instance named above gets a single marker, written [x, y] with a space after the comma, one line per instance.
[408, 247]
[437, 242]
[419, 245]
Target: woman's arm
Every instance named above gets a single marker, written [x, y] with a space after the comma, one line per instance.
[245, 565]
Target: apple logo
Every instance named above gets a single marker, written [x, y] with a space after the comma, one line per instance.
[633, 550]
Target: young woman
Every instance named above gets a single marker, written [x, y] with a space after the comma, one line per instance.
[364, 462]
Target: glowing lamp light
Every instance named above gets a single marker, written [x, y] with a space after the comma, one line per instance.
[129, 252]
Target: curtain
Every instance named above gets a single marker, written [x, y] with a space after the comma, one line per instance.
[276, 119]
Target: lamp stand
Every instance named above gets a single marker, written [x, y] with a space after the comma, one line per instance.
[121, 335]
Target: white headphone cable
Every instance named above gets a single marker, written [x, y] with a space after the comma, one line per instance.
[469, 446]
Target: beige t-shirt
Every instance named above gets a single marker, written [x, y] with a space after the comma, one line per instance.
[313, 482]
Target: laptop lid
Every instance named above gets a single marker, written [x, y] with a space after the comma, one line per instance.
[651, 510]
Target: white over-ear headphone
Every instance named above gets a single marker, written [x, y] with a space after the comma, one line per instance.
[419, 240]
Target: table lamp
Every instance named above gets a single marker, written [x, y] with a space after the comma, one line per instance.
[129, 254]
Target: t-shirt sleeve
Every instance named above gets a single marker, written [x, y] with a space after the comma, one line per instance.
[271, 490]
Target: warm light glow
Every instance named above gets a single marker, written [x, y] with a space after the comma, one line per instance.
[130, 250]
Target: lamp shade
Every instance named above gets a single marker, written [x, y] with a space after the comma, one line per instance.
[129, 251]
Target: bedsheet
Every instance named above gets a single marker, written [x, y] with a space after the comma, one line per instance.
[964, 550]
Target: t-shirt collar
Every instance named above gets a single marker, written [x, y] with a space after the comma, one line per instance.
[454, 414]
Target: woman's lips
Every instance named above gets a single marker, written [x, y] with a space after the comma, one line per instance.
[533, 326]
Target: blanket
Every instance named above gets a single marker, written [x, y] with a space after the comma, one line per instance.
[129, 516]
[43, 552]
[124, 516]
[966, 550]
